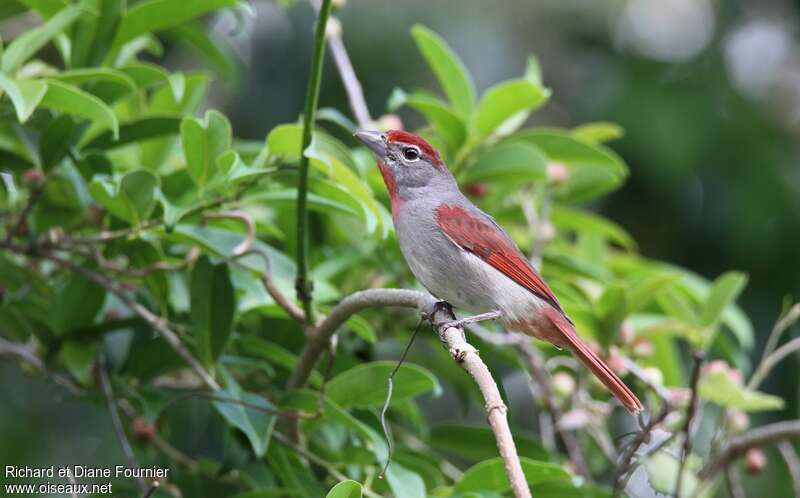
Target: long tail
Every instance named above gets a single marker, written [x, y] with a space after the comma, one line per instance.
[593, 362]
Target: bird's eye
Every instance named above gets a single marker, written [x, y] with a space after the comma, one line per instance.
[410, 153]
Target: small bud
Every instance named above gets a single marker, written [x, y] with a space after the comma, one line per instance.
[557, 172]
[736, 376]
[626, 333]
[739, 421]
[32, 177]
[654, 375]
[142, 430]
[547, 231]
[754, 461]
[563, 384]
[642, 347]
[477, 189]
[715, 366]
[334, 27]
[112, 315]
[389, 122]
[679, 396]
[616, 361]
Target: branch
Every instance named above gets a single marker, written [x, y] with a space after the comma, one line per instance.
[312, 96]
[145, 314]
[116, 422]
[792, 464]
[352, 86]
[756, 438]
[461, 351]
[687, 427]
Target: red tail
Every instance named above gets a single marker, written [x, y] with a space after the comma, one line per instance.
[593, 362]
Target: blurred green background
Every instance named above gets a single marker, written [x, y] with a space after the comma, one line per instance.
[708, 94]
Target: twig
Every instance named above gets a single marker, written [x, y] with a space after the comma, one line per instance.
[280, 299]
[390, 388]
[755, 438]
[461, 351]
[352, 86]
[119, 430]
[159, 324]
[36, 194]
[734, 482]
[302, 284]
[642, 436]
[687, 426]
[25, 353]
[319, 461]
[769, 362]
[467, 357]
[792, 464]
[245, 218]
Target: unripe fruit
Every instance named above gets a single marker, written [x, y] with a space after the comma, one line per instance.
[739, 421]
[32, 177]
[112, 315]
[654, 375]
[679, 396]
[626, 333]
[643, 347]
[616, 362]
[563, 384]
[476, 189]
[547, 231]
[754, 461]
[142, 430]
[557, 172]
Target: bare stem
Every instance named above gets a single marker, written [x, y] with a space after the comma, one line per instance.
[302, 284]
[755, 438]
[352, 86]
[687, 426]
[116, 422]
[789, 455]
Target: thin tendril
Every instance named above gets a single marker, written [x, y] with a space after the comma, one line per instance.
[390, 381]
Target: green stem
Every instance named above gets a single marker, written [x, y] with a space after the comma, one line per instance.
[302, 284]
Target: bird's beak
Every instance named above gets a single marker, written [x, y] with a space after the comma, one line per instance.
[374, 140]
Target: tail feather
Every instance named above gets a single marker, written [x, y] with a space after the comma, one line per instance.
[589, 358]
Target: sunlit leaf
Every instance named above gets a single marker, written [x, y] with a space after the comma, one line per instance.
[345, 489]
[24, 94]
[501, 102]
[721, 389]
[365, 385]
[491, 475]
[72, 100]
[510, 163]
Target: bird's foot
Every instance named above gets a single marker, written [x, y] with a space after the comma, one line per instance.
[443, 307]
[489, 315]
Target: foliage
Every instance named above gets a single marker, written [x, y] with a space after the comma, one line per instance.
[121, 193]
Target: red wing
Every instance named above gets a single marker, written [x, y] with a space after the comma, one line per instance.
[486, 240]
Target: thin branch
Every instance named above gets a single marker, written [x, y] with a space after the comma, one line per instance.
[302, 284]
[352, 86]
[159, 324]
[789, 455]
[347, 307]
[116, 422]
[687, 426]
[768, 363]
[280, 299]
[734, 482]
[643, 436]
[25, 353]
[245, 218]
[755, 438]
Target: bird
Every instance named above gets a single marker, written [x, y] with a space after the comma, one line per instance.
[464, 258]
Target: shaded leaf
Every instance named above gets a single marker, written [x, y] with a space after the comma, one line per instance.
[364, 385]
[510, 162]
[491, 475]
[24, 94]
[345, 489]
[256, 421]
[212, 308]
[404, 483]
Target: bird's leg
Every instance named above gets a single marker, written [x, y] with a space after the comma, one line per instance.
[489, 315]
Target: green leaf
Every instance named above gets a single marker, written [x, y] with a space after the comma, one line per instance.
[722, 390]
[96, 74]
[257, 424]
[212, 48]
[78, 357]
[477, 443]
[134, 132]
[448, 125]
[154, 15]
[404, 483]
[203, 142]
[598, 132]
[449, 69]
[28, 43]
[491, 475]
[131, 199]
[646, 288]
[24, 94]
[72, 100]
[510, 163]
[364, 386]
[504, 100]
[567, 218]
[146, 75]
[724, 291]
[212, 307]
[662, 470]
[345, 489]
[77, 304]
[611, 309]
[594, 169]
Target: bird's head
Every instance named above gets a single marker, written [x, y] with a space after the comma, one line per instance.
[409, 165]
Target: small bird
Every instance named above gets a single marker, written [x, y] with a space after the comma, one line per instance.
[462, 256]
